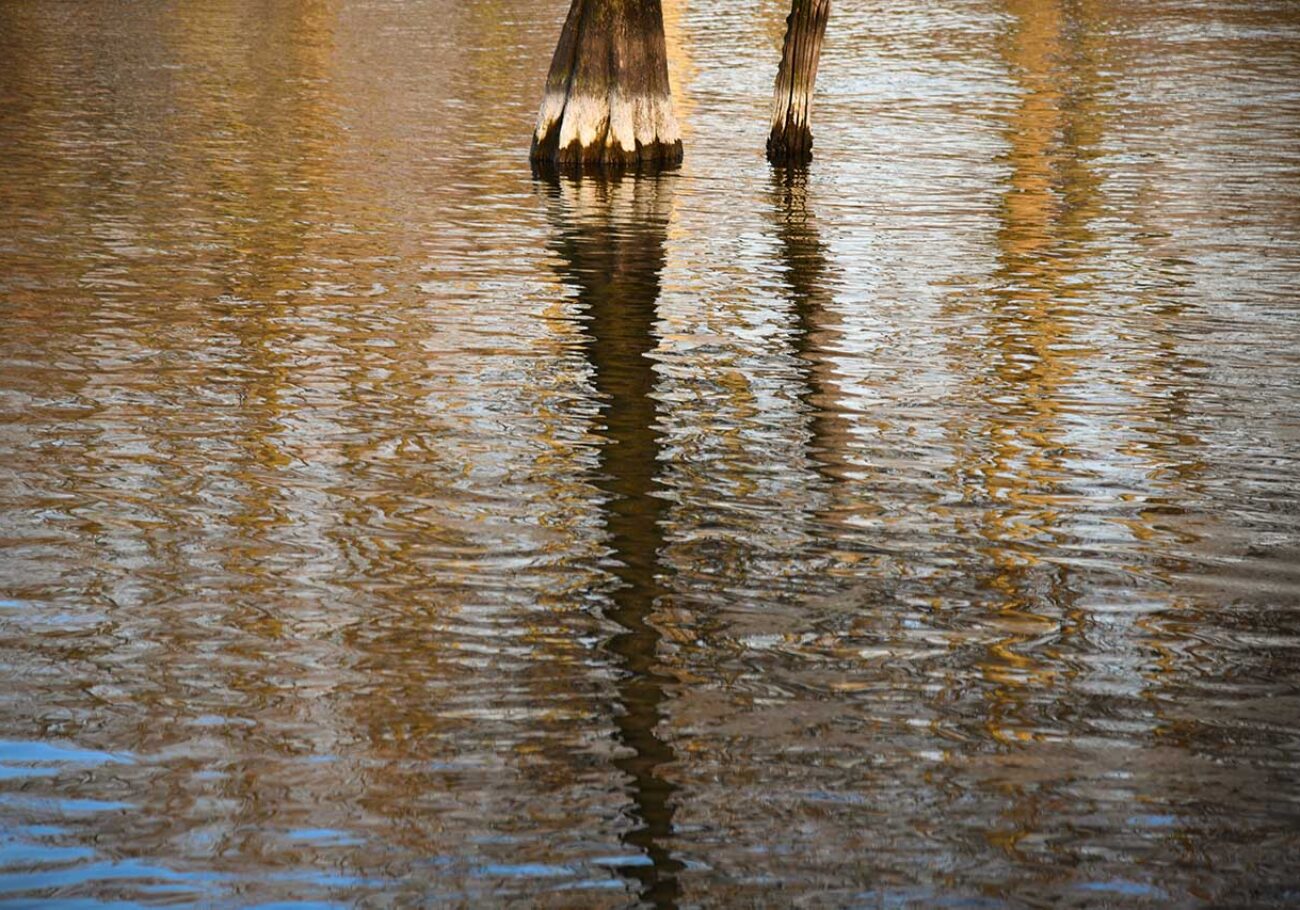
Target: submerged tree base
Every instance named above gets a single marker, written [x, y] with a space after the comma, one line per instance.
[791, 140]
[608, 102]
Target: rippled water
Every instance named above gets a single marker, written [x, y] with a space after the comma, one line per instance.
[384, 526]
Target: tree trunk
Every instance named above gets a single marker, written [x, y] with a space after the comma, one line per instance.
[608, 102]
[790, 142]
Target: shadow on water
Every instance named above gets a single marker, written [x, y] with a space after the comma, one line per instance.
[610, 237]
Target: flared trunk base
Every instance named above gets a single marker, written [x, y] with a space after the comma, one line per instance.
[603, 133]
[608, 104]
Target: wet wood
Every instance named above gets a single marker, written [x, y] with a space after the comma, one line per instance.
[608, 101]
[790, 141]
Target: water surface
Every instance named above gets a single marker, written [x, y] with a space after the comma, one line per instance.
[381, 526]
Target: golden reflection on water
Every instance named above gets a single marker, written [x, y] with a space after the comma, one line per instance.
[381, 524]
[1042, 284]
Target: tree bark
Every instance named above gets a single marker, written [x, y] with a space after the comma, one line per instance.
[608, 103]
[790, 142]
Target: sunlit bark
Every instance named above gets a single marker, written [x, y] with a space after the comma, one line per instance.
[608, 101]
[790, 141]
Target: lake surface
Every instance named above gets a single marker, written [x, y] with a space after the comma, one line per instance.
[381, 526]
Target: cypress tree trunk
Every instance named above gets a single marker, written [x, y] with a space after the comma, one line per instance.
[790, 142]
[608, 102]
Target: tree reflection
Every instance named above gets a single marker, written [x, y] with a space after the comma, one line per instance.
[807, 272]
[611, 238]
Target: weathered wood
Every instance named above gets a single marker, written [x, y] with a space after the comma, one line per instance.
[608, 102]
[791, 141]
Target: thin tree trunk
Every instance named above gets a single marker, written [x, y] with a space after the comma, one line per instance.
[608, 102]
[790, 142]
